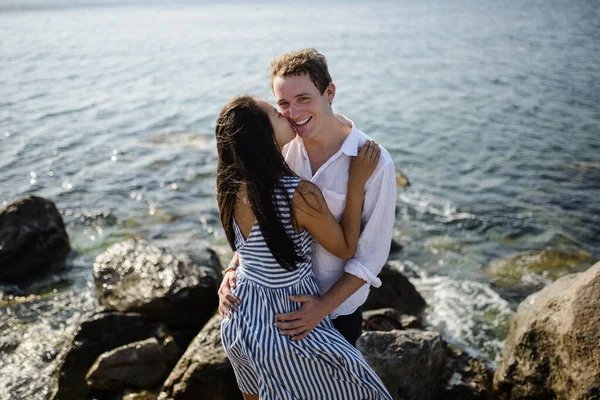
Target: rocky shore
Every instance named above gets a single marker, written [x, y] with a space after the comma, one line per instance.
[155, 334]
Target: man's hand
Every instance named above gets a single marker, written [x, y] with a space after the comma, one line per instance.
[300, 323]
[227, 300]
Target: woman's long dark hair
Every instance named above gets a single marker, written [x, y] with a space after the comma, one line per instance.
[248, 152]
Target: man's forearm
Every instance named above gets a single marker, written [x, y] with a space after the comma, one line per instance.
[345, 287]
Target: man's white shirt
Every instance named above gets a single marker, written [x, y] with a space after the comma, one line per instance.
[377, 219]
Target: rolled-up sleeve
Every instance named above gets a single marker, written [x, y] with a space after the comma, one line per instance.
[377, 225]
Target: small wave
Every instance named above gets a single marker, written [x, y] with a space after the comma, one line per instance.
[32, 335]
[445, 211]
[186, 140]
[470, 314]
[65, 112]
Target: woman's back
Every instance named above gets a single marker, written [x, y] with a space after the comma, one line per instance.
[257, 263]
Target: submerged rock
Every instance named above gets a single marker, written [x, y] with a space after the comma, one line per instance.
[534, 270]
[135, 276]
[144, 364]
[410, 362]
[396, 292]
[401, 180]
[102, 332]
[553, 347]
[33, 239]
[204, 370]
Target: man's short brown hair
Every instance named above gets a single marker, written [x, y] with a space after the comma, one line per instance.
[305, 61]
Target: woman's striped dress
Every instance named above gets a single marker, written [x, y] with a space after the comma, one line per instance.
[321, 366]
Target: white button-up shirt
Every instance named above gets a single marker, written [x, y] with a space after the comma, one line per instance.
[377, 215]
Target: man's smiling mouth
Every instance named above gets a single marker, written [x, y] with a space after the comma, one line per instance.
[303, 122]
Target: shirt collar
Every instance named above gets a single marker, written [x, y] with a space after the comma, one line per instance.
[350, 145]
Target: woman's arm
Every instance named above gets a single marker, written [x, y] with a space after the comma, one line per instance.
[311, 211]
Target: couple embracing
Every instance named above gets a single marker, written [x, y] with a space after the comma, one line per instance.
[307, 202]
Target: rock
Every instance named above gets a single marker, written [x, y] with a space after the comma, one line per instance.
[401, 180]
[397, 292]
[407, 321]
[201, 255]
[553, 346]
[395, 247]
[410, 363]
[465, 377]
[204, 370]
[143, 364]
[101, 333]
[33, 239]
[135, 276]
[532, 271]
[143, 395]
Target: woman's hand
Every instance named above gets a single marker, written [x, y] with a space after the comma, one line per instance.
[363, 165]
[227, 301]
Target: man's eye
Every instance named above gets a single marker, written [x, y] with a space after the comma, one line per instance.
[303, 99]
[283, 106]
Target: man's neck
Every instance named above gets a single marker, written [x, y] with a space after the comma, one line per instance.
[327, 142]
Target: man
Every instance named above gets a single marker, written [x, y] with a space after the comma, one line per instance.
[321, 153]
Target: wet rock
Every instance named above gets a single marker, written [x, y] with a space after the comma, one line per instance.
[143, 395]
[401, 180]
[532, 271]
[395, 247]
[33, 239]
[102, 332]
[552, 349]
[143, 364]
[136, 276]
[465, 377]
[203, 256]
[204, 370]
[397, 292]
[405, 320]
[410, 362]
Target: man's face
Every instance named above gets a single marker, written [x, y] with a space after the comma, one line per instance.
[284, 132]
[302, 104]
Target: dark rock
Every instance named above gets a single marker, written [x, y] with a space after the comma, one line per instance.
[397, 292]
[136, 276]
[101, 333]
[410, 363]
[33, 239]
[553, 346]
[395, 247]
[405, 320]
[202, 256]
[465, 377]
[204, 370]
[144, 364]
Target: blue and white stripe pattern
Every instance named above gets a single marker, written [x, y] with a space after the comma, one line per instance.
[321, 366]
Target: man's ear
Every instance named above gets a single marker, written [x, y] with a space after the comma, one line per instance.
[330, 91]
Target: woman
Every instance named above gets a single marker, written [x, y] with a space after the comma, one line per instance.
[270, 217]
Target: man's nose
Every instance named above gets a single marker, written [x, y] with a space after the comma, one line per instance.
[294, 111]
